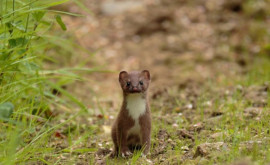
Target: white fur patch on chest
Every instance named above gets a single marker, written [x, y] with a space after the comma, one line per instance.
[136, 107]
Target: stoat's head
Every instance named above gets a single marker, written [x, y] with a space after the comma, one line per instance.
[134, 82]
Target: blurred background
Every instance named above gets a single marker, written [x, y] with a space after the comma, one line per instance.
[209, 63]
[176, 40]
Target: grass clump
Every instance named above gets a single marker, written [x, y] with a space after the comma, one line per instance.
[27, 95]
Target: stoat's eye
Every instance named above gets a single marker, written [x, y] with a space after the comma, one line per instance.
[128, 84]
[141, 82]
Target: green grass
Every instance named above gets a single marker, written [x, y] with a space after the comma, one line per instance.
[235, 128]
[26, 97]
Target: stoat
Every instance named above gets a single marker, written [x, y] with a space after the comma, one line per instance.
[132, 128]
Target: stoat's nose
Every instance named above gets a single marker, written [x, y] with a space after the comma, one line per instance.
[135, 88]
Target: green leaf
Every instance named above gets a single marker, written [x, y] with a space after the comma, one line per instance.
[18, 25]
[38, 15]
[8, 24]
[12, 43]
[4, 56]
[6, 110]
[4, 35]
[17, 42]
[47, 5]
[60, 22]
[29, 67]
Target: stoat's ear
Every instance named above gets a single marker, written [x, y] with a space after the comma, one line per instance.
[146, 74]
[122, 75]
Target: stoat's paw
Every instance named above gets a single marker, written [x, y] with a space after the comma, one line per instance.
[126, 153]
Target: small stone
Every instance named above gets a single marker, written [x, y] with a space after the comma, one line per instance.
[175, 125]
[189, 106]
[252, 112]
[205, 148]
[196, 127]
[149, 161]
[216, 135]
[185, 148]
[208, 103]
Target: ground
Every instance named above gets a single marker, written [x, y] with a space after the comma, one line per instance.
[210, 68]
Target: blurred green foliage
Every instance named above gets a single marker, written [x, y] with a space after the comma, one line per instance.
[26, 90]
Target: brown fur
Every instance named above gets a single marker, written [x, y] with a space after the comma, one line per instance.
[124, 144]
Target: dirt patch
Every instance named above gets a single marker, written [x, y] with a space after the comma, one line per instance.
[175, 40]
